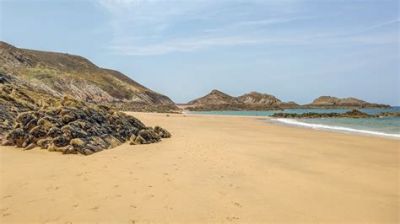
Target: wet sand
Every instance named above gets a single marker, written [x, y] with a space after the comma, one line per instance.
[215, 169]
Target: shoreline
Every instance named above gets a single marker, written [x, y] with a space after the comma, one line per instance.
[289, 122]
[213, 170]
[332, 128]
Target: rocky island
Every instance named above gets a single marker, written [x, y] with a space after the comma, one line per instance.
[329, 102]
[349, 114]
[219, 101]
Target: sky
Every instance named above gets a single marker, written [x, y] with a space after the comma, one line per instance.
[296, 50]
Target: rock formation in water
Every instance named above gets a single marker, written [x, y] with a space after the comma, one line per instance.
[64, 74]
[334, 102]
[349, 114]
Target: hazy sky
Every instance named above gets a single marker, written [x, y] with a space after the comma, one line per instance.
[294, 49]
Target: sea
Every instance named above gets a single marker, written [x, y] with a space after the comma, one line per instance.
[385, 127]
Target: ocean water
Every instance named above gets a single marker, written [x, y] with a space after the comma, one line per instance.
[387, 127]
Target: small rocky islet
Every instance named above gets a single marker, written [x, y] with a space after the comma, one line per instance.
[349, 114]
[65, 125]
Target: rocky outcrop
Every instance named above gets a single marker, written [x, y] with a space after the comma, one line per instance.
[30, 117]
[64, 74]
[334, 102]
[215, 97]
[255, 98]
[348, 114]
[217, 100]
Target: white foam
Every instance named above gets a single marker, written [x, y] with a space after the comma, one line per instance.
[334, 128]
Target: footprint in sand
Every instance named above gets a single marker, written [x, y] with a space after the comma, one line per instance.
[7, 196]
[132, 206]
[237, 204]
[232, 218]
[6, 214]
[3, 209]
[95, 208]
[150, 196]
[53, 188]
[116, 186]
[168, 207]
[75, 205]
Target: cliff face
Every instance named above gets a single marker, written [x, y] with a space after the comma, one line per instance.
[63, 74]
[334, 102]
[217, 100]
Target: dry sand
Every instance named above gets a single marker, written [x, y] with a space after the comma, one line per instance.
[213, 170]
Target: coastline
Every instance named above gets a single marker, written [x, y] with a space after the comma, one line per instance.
[223, 169]
[293, 122]
[332, 128]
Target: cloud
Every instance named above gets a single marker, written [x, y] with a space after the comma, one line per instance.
[155, 27]
[189, 45]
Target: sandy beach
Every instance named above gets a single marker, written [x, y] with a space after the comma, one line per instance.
[215, 169]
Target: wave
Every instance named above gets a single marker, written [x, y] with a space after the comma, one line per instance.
[334, 128]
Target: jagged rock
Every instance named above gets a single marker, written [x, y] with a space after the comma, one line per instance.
[51, 147]
[28, 140]
[162, 132]
[31, 124]
[73, 132]
[30, 118]
[61, 141]
[48, 122]
[30, 146]
[77, 143]
[38, 132]
[149, 136]
[44, 143]
[112, 141]
[67, 118]
[25, 117]
[132, 139]
[16, 137]
[54, 132]
[70, 150]
[139, 140]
